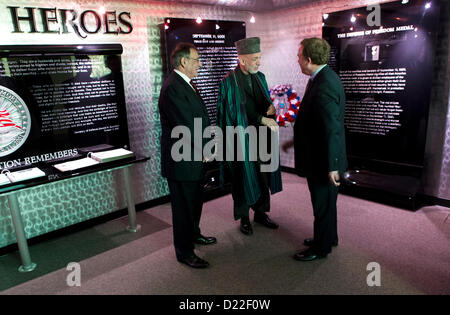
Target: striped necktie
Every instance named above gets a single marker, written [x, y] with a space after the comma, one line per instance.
[195, 88]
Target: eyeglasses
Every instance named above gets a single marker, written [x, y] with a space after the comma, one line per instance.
[197, 60]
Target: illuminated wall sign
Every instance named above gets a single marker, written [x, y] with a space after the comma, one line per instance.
[14, 121]
[63, 21]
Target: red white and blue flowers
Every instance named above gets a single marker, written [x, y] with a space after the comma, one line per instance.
[286, 102]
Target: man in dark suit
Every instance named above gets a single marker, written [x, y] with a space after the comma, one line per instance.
[179, 104]
[319, 144]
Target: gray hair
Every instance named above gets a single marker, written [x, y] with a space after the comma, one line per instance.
[182, 50]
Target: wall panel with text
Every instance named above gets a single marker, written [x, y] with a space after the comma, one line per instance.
[55, 100]
[385, 57]
[215, 43]
[387, 73]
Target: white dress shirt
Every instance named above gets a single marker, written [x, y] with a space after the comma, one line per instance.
[185, 78]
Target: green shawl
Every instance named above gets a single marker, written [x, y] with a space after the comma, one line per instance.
[231, 112]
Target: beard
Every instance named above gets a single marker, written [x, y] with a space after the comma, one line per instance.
[252, 70]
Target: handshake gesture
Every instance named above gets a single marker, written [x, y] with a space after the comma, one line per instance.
[269, 122]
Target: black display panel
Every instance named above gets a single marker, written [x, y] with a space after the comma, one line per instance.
[387, 74]
[215, 43]
[57, 100]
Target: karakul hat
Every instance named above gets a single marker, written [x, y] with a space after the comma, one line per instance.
[248, 46]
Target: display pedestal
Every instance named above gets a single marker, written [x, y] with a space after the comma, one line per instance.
[133, 227]
[27, 264]
[392, 189]
[11, 192]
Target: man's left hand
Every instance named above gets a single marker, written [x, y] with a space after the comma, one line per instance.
[210, 158]
[271, 110]
[271, 123]
[334, 178]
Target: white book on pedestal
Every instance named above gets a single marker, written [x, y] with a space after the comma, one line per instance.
[74, 165]
[111, 155]
[22, 175]
[4, 179]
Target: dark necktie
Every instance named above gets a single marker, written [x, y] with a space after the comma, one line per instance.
[198, 93]
[195, 88]
[308, 86]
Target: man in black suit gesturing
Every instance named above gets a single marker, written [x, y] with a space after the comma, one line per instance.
[319, 144]
[179, 104]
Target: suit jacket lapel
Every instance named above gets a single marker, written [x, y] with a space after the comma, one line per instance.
[238, 86]
[308, 89]
[263, 88]
[312, 83]
[191, 92]
[186, 85]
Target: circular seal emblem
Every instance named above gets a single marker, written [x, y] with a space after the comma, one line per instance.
[15, 121]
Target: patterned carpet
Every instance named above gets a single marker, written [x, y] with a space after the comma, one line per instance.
[412, 250]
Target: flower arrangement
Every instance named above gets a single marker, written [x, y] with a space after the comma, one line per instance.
[286, 102]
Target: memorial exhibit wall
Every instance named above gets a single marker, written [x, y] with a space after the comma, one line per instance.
[59, 101]
[281, 34]
[215, 43]
[61, 204]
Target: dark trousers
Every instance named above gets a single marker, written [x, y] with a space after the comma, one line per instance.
[240, 207]
[323, 197]
[187, 203]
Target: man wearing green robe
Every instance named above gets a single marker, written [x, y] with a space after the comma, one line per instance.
[244, 102]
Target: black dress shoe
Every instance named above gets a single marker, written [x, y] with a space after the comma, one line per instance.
[310, 242]
[307, 255]
[246, 226]
[264, 219]
[194, 261]
[205, 240]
